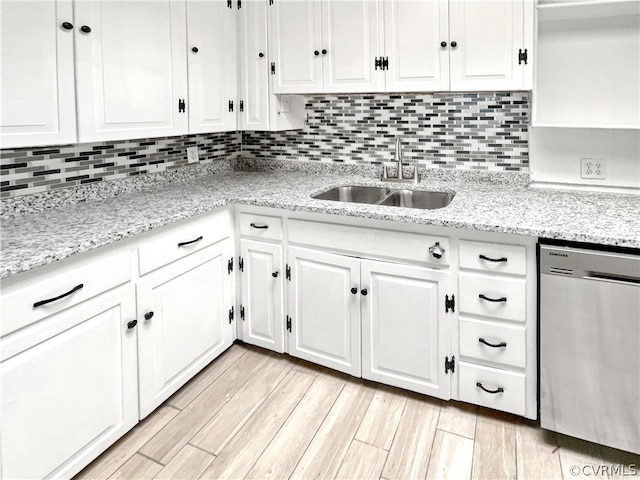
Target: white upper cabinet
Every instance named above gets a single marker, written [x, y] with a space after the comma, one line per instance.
[211, 27]
[351, 40]
[259, 107]
[296, 33]
[36, 53]
[486, 38]
[131, 69]
[325, 46]
[414, 31]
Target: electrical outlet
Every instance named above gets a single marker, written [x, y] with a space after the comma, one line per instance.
[192, 155]
[593, 168]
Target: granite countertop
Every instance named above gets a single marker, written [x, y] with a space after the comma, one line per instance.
[40, 238]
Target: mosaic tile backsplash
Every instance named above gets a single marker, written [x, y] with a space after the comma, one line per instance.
[483, 131]
[32, 170]
[472, 131]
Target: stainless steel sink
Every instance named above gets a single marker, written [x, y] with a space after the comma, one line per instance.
[387, 196]
[356, 194]
[418, 199]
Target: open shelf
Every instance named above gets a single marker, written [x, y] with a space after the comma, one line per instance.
[570, 10]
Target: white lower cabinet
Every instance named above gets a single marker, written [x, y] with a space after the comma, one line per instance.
[261, 310]
[68, 387]
[405, 330]
[324, 309]
[186, 319]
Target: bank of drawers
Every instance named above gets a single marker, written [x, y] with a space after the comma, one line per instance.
[493, 314]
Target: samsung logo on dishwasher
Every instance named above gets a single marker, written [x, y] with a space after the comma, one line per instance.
[553, 254]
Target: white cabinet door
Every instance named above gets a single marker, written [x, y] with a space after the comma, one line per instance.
[405, 331]
[130, 69]
[254, 66]
[36, 53]
[487, 35]
[68, 397]
[296, 33]
[325, 326]
[413, 33]
[262, 299]
[211, 27]
[183, 310]
[351, 37]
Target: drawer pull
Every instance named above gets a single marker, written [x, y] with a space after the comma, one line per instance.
[489, 259]
[182, 244]
[493, 345]
[44, 302]
[489, 299]
[497, 390]
[254, 225]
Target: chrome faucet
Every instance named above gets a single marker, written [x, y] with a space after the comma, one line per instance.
[400, 176]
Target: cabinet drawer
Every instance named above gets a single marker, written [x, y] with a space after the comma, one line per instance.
[260, 226]
[508, 388]
[493, 257]
[370, 242]
[477, 338]
[492, 296]
[177, 241]
[61, 288]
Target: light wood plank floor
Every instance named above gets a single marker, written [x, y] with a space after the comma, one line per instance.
[259, 415]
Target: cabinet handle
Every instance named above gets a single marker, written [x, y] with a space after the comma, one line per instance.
[436, 250]
[261, 54]
[49, 300]
[261, 226]
[67, 26]
[493, 345]
[194, 49]
[488, 259]
[497, 390]
[148, 315]
[489, 299]
[316, 53]
[274, 274]
[364, 292]
[354, 290]
[85, 29]
[454, 44]
[132, 324]
[443, 44]
[182, 244]
[324, 51]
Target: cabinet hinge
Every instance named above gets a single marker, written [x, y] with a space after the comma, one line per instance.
[241, 264]
[181, 105]
[449, 303]
[273, 68]
[270, 2]
[239, 4]
[450, 365]
[231, 105]
[242, 313]
[287, 272]
[231, 315]
[229, 4]
[289, 323]
[241, 106]
[230, 266]
[377, 63]
[385, 63]
[522, 56]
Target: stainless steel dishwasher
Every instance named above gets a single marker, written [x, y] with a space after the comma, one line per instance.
[589, 344]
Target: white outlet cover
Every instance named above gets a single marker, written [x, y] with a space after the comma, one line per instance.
[595, 168]
[192, 155]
